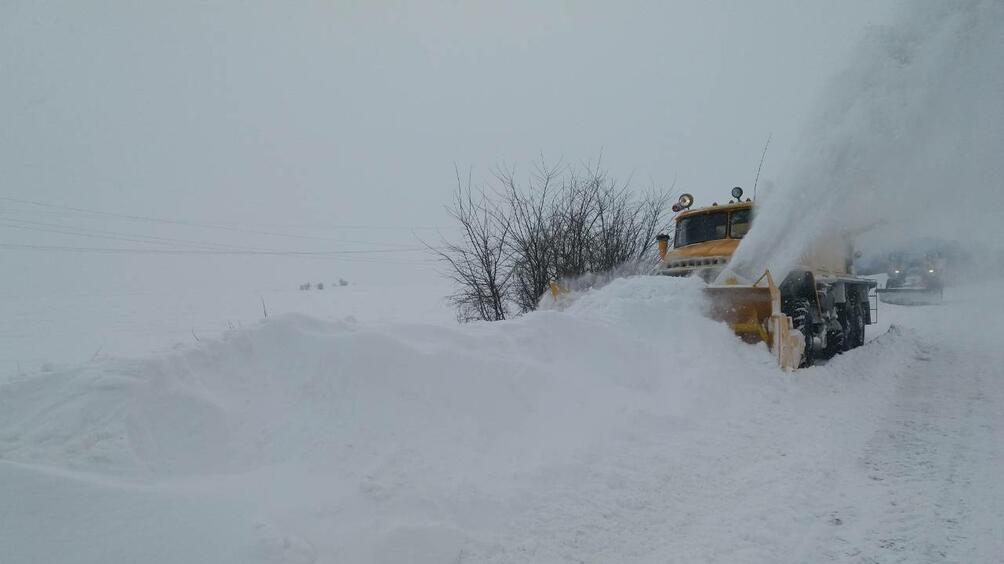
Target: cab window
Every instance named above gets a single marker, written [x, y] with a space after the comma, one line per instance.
[739, 223]
[701, 228]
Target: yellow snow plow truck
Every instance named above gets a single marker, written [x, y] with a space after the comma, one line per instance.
[818, 310]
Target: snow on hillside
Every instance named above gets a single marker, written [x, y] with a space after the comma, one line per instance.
[626, 428]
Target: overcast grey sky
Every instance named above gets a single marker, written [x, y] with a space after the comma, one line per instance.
[295, 116]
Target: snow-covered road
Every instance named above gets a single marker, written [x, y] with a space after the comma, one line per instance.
[889, 454]
[927, 485]
[627, 428]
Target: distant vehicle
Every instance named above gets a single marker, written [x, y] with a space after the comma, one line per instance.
[914, 279]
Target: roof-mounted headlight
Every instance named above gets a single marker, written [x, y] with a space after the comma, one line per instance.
[686, 200]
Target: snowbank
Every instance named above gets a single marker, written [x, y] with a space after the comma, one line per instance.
[302, 440]
[297, 387]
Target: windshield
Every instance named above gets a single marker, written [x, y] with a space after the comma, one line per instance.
[700, 228]
[739, 223]
[712, 227]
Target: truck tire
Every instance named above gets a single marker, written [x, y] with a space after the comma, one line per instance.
[855, 326]
[836, 340]
[801, 320]
[845, 315]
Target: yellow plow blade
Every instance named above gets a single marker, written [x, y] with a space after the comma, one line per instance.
[754, 313]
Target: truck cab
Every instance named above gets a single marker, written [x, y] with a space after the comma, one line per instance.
[705, 239]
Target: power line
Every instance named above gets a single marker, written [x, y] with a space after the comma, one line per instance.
[109, 235]
[139, 238]
[313, 226]
[126, 250]
[187, 223]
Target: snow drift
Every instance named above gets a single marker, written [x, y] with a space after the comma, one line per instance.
[297, 387]
[303, 441]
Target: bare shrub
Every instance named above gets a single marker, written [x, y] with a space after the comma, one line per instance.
[478, 263]
[562, 223]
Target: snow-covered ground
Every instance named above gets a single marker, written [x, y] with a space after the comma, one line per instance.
[53, 330]
[626, 428]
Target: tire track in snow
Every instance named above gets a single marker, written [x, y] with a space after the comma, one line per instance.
[924, 488]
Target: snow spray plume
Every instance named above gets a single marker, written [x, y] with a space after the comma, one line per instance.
[908, 138]
[573, 287]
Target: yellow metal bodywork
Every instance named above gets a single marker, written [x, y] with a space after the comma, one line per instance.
[715, 209]
[754, 313]
[718, 248]
[556, 290]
